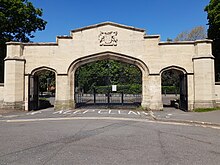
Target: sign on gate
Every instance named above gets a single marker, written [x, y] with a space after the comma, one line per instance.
[114, 88]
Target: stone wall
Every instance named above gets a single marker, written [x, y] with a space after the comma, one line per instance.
[1, 94]
[110, 41]
[217, 93]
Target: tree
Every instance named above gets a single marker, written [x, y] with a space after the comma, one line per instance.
[213, 11]
[107, 72]
[46, 80]
[18, 20]
[196, 33]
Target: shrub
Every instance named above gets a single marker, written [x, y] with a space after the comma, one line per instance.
[170, 90]
[128, 89]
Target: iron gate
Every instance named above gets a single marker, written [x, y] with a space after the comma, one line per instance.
[108, 99]
[183, 92]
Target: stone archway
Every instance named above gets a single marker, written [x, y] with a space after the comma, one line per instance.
[37, 99]
[179, 77]
[111, 56]
[114, 41]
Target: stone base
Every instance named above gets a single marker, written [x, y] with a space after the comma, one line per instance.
[217, 104]
[64, 104]
[152, 106]
[204, 104]
[13, 105]
[1, 104]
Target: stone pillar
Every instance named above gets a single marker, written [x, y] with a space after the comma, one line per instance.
[14, 77]
[190, 84]
[145, 93]
[63, 99]
[26, 93]
[204, 80]
[152, 98]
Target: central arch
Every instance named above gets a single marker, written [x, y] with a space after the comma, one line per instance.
[106, 56]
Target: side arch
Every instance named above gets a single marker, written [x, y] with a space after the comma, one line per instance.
[182, 82]
[38, 69]
[174, 67]
[34, 101]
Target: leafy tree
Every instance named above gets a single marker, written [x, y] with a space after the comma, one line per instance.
[46, 80]
[171, 80]
[196, 33]
[106, 72]
[213, 11]
[18, 20]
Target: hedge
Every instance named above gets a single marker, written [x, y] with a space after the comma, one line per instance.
[170, 90]
[128, 89]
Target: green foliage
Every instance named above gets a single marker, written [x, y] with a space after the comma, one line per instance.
[213, 11]
[127, 89]
[170, 78]
[106, 72]
[170, 90]
[195, 34]
[18, 20]
[46, 80]
[206, 109]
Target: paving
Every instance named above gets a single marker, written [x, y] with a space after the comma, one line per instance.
[172, 114]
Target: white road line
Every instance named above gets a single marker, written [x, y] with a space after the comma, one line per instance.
[132, 112]
[10, 116]
[109, 118]
[33, 113]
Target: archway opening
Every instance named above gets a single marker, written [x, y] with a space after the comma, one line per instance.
[108, 83]
[174, 88]
[42, 89]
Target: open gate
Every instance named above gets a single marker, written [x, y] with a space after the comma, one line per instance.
[183, 92]
[33, 93]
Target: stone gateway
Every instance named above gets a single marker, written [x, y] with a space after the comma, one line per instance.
[114, 41]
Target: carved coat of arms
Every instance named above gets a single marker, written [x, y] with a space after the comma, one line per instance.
[108, 38]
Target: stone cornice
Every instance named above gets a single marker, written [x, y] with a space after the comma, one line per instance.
[15, 58]
[185, 42]
[14, 43]
[64, 37]
[177, 43]
[41, 44]
[108, 23]
[203, 41]
[151, 36]
[203, 57]
[33, 43]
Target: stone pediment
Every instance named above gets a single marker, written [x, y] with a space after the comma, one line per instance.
[107, 34]
[108, 24]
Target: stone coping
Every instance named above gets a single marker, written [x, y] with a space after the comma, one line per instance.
[185, 42]
[108, 23]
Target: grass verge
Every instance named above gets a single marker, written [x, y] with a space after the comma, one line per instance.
[206, 109]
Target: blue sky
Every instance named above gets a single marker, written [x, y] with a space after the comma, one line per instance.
[165, 17]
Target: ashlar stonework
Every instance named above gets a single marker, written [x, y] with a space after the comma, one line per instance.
[109, 41]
